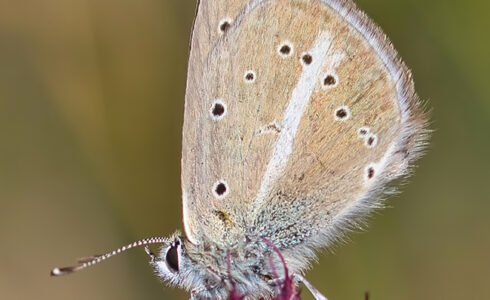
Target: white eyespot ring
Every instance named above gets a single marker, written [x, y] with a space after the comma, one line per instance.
[250, 76]
[221, 189]
[370, 172]
[371, 140]
[218, 110]
[224, 25]
[342, 113]
[285, 49]
[363, 132]
[306, 59]
[329, 80]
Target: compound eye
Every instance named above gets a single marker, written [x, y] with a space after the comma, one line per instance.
[172, 257]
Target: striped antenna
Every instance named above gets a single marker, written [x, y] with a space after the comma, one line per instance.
[90, 261]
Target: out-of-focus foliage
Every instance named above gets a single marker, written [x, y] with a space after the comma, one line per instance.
[91, 104]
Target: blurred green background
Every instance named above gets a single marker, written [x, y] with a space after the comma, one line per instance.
[91, 106]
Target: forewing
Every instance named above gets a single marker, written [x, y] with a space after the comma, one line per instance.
[327, 118]
[213, 20]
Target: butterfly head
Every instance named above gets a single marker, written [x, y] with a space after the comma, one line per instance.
[186, 265]
[174, 265]
[214, 272]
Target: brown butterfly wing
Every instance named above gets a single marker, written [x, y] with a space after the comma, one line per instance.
[335, 173]
[290, 146]
[213, 20]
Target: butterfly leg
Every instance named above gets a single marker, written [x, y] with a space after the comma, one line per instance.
[311, 288]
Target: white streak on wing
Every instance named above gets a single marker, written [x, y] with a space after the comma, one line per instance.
[189, 231]
[300, 98]
[337, 57]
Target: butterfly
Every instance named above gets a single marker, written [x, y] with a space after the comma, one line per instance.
[298, 114]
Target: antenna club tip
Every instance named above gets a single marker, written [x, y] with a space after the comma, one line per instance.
[56, 272]
[63, 271]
